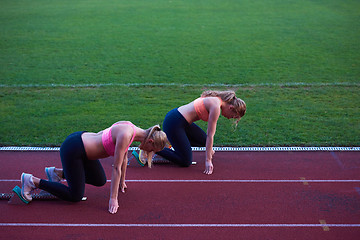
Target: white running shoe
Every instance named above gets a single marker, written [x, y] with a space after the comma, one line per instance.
[51, 175]
[27, 185]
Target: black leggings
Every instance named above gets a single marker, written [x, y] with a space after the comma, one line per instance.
[78, 170]
[182, 137]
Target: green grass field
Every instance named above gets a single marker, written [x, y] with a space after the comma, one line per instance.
[67, 66]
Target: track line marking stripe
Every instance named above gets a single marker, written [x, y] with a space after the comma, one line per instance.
[149, 84]
[219, 149]
[242, 181]
[170, 225]
[222, 181]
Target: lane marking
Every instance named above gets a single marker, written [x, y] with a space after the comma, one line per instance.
[149, 84]
[218, 149]
[171, 225]
[224, 181]
[324, 225]
[241, 181]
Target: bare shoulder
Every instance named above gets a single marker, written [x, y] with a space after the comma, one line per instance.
[212, 103]
[214, 100]
[122, 131]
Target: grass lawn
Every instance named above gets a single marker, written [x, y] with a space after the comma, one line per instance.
[72, 65]
[276, 116]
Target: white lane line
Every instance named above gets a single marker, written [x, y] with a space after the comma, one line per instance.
[218, 149]
[226, 181]
[169, 225]
[154, 84]
[239, 181]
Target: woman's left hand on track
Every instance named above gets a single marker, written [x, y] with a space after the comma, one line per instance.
[123, 187]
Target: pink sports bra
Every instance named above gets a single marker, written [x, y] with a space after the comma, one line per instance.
[107, 140]
[200, 108]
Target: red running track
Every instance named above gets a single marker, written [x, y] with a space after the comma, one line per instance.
[251, 195]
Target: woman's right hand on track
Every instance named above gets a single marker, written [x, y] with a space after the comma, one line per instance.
[113, 205]
[208, 167]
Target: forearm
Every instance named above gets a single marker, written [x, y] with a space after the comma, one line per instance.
[115, 181]
[209, 153]
[123, 170]
[214, 113]
[209, 148]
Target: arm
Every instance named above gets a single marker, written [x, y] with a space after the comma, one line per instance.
[214, 113]
[118, 172]
[123, 170]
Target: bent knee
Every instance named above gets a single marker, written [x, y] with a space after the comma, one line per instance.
[97, 183]
[77, 198]
[100, 183]
[186, 164]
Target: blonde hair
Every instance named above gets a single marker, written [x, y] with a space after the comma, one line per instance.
[159, 138]
[230, 98]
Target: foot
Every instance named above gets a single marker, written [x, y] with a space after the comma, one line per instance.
[51, 174]
[143, 157]
[27, 185]
[139, 157]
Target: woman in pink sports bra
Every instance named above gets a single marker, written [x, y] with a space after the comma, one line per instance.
[79, 157]
[183, 133]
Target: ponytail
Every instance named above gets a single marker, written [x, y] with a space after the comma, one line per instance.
[160, 140]
[230, 98]
[226, 96]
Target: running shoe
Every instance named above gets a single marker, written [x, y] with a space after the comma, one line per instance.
[143, 156]
[51, 175]
[27, 185]
[140, 158]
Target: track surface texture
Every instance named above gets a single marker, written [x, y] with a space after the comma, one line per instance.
[250, 195]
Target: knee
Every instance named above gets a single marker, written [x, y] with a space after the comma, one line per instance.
[186, 162]
[76, 198]
[97, 182]
[100, 183]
